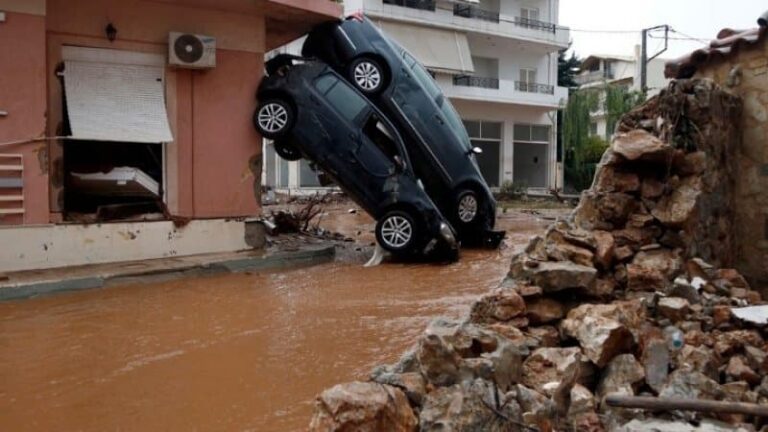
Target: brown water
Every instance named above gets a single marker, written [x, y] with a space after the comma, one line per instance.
[231, 352]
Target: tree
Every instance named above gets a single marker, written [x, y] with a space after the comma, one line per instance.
[567, 68]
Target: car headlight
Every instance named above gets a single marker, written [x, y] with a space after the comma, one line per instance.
[447, 233]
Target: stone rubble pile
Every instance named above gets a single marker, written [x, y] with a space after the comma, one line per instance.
[633, 294]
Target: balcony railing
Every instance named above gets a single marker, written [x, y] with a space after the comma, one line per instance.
[593, 76]
[535, 24]
[471, 11]
[476, 81]
[529, 87]
[413, 4]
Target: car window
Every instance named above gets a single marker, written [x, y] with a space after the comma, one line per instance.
[426, 80]
[339, 94]
[382, 136]
[453, 119]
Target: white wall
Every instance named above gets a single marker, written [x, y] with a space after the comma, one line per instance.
[509, 115]
[49, 246]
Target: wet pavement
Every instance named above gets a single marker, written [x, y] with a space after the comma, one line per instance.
[228, 352]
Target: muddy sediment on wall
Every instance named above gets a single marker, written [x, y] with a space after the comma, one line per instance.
[633, 294]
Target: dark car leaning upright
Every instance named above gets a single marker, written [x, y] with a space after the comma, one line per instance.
[438, 144]
[311, 112]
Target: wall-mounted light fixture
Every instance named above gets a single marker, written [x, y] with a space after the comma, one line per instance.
[111, 32]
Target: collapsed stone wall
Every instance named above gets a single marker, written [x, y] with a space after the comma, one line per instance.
[631, 294]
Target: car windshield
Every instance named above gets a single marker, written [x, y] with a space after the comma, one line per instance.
[429, 84]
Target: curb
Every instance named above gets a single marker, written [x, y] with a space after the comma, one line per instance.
[278, 260]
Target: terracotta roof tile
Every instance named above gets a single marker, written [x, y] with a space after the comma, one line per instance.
[728, 42]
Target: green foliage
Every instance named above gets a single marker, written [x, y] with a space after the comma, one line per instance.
[510, 190]
[584, 151]
[619, 101]
[567, 68]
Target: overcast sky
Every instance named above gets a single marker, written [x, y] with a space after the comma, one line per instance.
[696, 18]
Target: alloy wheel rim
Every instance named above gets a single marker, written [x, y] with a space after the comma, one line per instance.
[467, 208]
[396, 231]
[367, 76]
[273, 117]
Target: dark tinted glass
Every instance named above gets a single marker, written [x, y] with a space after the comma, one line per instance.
[345, 100]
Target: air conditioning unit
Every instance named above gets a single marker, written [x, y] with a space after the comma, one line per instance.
[191, 50]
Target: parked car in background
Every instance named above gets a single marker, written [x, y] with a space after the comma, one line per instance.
[311, 112]
[437, 142]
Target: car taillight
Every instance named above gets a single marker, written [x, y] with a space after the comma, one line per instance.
[357, 16]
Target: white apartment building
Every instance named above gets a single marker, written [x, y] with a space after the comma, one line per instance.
[497, 62]
[597, 71]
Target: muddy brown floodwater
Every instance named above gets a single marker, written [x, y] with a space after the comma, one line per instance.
[229, 352]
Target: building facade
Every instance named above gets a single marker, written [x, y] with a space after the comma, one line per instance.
[96, 120]
[497, 62]
[598, 71]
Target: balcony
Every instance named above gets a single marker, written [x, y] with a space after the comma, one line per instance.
[594, 76]
[476, 81]
[529, 87]
[466, 18]
[471, 11]
[428, 5]
[484, 89]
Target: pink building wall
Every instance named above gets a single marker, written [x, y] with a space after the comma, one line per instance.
[22, 95]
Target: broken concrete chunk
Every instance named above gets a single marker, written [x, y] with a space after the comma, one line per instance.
[412, 384]
[757, 315]
[690, 385]
[673, 308]
[675, 209]
[582, 401]
[656, 363]
[603, 339]
[639, 145]
[661, 425]
[640, 278]
[544, 310]
[630, 313]
[698, 358]
[623, 374]
[465, 408]
[559, 249]
[558, 276]
[549, 365]
[608, 179]
[365, 407]
[652, 188]
[604, 251]
[501, 305]
[666, 261]
[739, 370]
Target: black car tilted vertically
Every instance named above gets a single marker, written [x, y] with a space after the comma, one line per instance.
[311, 112]
[443, 156]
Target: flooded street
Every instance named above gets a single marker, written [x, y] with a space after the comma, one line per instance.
[229, 352]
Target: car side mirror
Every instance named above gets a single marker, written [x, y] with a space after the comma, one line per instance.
[475, 150]
[399, 164]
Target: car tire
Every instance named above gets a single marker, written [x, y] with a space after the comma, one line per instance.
[397, 232]
[367, 75]
[287, 151]
[274, 118]
[467, 212]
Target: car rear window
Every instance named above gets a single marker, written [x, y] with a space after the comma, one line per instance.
[339, 94]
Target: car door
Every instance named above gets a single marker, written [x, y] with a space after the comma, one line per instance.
[348, 156]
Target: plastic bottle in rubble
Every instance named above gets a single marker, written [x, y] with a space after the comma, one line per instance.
[674, 337]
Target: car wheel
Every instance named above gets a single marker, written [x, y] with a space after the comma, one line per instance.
[273, 118]
[287, 151]
[367, 75]
[467, 207]
[397, 232]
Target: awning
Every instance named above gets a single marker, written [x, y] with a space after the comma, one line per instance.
[437, 49]
[109, 97]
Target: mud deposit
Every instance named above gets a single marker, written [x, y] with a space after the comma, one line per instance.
[233, 352]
